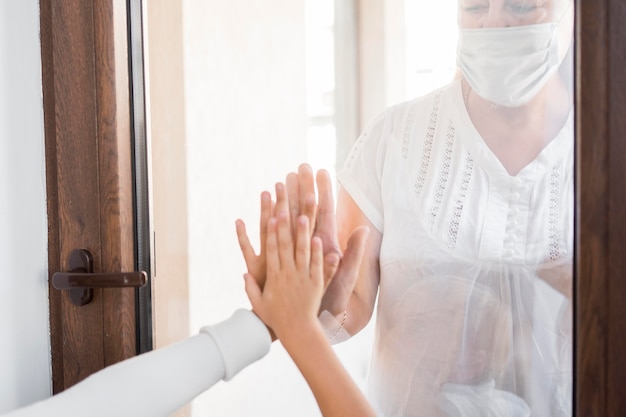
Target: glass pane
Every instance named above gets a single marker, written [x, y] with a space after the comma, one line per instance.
[461, 163]
[473, 199]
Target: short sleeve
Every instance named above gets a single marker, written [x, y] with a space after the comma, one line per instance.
[361, 175]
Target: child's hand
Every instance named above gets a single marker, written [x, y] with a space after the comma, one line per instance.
[256, 263]
[288, 197]
[290, 299]
[297, 195]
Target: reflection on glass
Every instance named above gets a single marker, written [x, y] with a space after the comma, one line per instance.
[465, 181]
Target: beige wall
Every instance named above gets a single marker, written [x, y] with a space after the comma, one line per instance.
[166, 118]
[381, 48]
[229, 119]
[246, 127]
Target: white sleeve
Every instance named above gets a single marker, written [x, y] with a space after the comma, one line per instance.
[361, 174]
[160, 382]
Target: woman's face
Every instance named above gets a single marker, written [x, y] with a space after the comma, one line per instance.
[506, 13]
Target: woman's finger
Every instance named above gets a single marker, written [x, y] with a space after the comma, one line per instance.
[303, 239]
[293, 199]
[325, 226]
[282, 202]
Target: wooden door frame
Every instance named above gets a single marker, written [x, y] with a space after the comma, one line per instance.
[600, 270]
[89, 176]
[86, 114]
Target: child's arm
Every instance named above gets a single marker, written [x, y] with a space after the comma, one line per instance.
[289, 303]
[177, 373]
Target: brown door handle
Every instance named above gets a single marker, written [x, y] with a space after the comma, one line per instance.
[80, 280]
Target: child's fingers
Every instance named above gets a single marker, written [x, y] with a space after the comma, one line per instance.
[317, 261]
[303, 252]
[285, 244]
[253, 292]
[266, 213]
[244, 243]
[272, 255]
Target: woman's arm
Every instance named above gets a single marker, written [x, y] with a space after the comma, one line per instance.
[353, 290]
[289, 303]
[558, 274]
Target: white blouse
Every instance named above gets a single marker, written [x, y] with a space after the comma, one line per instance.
[465, 249]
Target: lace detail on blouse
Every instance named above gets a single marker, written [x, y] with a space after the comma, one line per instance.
[460, 201]
[445, 172]
[406, 134]
[355, 150]
[553, 215]
[428, 145]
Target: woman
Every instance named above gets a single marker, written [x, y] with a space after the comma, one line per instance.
[468, 193]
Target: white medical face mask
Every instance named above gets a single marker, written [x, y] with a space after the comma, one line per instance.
[508, 66]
